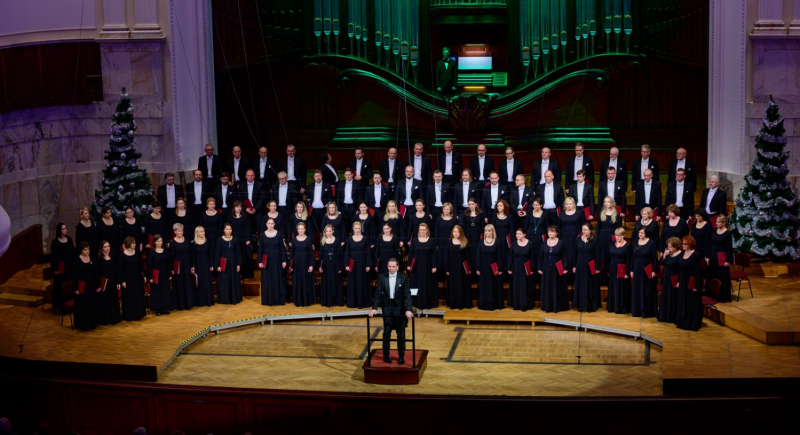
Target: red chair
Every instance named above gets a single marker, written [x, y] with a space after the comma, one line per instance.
[709, 302]
[660, 277]
[69, 304]
[741, 259]
[47, 275]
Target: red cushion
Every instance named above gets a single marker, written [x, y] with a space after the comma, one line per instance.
[708, 301]
[49, 288]
[70, 303]
[736, 275]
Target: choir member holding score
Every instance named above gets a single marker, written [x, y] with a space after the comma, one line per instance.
[690, 300]
[520, 268]
[674, 226]
[553, 265]
[357, 261]
[133, 280]
[182, 268]
[422, 269]
[302, 267]
[607, 224]
[667, 308]
[228, 261]
[203, 254]
[586, 288]
[645, 265]
[489, 268]
[458, 268]
[62, 256]
[85, 289]
[272, 262]
[107, 272]
[159, 273]
[330, 269]
[720, 258]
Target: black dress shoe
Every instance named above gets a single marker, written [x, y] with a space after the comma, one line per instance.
[401, 361]
[387, 360]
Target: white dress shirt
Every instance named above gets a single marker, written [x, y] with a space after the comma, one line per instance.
[648, 186]
[209, 163]
[579, 194]
[481, 163]
[545, 168]
[510, 170]
[317, 203]
[290, 169]
[577, 167]
[391, 171]
[679, 193]
[334, 172]
[224, 195]
[409, 190]
[465, 193]
[378, 195]
[645, 165]
[392, 284]
[198, 193]
[448, 164]
[358, 166]
[549, 196]
[418, 167]
[610, 188]
[250, 187]
[236, 169]
[170, 196]
[437, 189]
[495, 192]
[262, 165]
[283, 191]
[612, 163]
[521, 191]
[348, 192]
[710, 196]
[681, 164]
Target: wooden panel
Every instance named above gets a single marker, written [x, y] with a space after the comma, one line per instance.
[291, 416]
[100, 412]
[203, 415]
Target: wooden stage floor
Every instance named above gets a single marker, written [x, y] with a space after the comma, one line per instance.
[492, 359]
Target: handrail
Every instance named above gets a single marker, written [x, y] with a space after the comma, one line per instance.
[413, 339]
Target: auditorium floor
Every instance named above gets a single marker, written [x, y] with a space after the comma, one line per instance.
[521, 361]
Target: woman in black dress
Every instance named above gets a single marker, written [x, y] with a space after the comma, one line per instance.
[645, 265]
[489, 268]
[300, 215]
[618, 266]
[690, 300]
[358, 282]
[133, 280]
[240, 222]
[330, 267]
[458, 267]
[419, 217]
[155, 223]
[182, 259]
[674, 226]
[535, 225]
[504, 225]
[607, 225]
[335, 219]
[387, 246]
[182, 216]
[109, 230]
[422, 269]
[368, 224]
[586, 289]
[229, 284]
[302, 268]
[552, 267]
[203, 254]
[569, 227]
[701, 232]
[521, 270]
[441, 234]
[393, 218]
[86, 290]
[86, 231]
[473, 222]
[62, 256]
[159, 274]
[130, 227]
[211, 221]
[646, 221]
[720, 258]
[106, 268]
[272, 262]
[274, 214]
[668, 308]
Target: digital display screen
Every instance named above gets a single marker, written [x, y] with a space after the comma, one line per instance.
[472, 63]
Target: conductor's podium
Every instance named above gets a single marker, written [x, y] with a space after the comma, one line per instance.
[378, 371]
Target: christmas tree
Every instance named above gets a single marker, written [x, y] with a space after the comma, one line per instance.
[124, 183]
[765, 220]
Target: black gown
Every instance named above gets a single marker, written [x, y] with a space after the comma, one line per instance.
[160, 226]
[398, 228]
[108, 309]
[441, 234]
[703, 238]
[367, 228]
[279, 223]
[359, 285]
[63, 255]
[161, 292]
[133, 302]
[90, 235]
[330, 257]
[242, 232]
[490, 286]
[536, 232]
[273, 276]
[229, 284]
[213, 226]
[338, 226]
[554, 286]
[586, 289]
[110, 233]
[133, 230]
[504, 228]
[183, 282]
[569, 228]
[413, 225]
[459, 292]
[619, 289]
[604, 233]
[385, 251]
[303, 292]
[652, 229]
[690, 303]
[87, 305]
[187, 220]
[520, 284]
[721, 243]
[294, 220]
[203, 262]
[667, 232]
[420, 276]
[473, 230]
[644, 302]
[668, 308]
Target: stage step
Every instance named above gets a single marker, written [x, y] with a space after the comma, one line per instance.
[756, 327]
[455, 316]
[22, 290]
[20, 300]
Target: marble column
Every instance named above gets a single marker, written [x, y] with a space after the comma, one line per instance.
[115, 24]
[794, 27]
[770, 19]
[146, 14]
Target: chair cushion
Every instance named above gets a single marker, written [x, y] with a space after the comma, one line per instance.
[70, 303]
[49, 288]
[708, 301]
[737, 275]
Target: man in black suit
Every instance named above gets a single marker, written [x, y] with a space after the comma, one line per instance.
[362, 168]
[252, 191]
[449, 163]
[492, 193]
[390, 171]
[714, 201]
[521, 200]
[407, 192]
[211, 165]
[196, 194]
[552, 196]
[394, 297]
[542, 166]
[378, 196]
[508, 169]
[613, 187]
[681, 193]
[577, 163]
[225, 195]
[583, 194]
[421, 165]
[481, 165]
[237, 166]
[287, 197]
[620, 166]
[295, 168]
[318, 196]
[648, 194]
[446, 73]
[681, 162]
[463, 191]
[437, 194]
[329, 174]
[349, 193]
[168, 194]
[265, 169]
[646, 162]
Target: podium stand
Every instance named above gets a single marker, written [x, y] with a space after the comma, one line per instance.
[376, 371]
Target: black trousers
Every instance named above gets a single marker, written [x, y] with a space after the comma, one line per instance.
[316, 217]
[348, 211]
[398, 325]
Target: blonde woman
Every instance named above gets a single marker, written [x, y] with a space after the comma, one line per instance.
[392, 216]
[607, 224]
[330, 266]
[569, 227]
[441, 231]
[586, 288]
[203, 254]
[720, 258]
[182, 262]
[335, 219]
[422, 269]
[300, 215]
[647, 222]
[618, 270]
[457, 268]
[359, 284]
[86, 231]
[489, 268]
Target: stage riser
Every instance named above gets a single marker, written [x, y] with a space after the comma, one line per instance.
[20, 300]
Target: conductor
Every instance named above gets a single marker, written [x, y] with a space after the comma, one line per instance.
[446, 73]
[394, 297]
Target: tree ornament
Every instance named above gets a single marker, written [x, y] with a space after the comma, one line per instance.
[123, 156]
[130, 133]
[130, 111]
[120, 188]
[133, 184]
[114, 169]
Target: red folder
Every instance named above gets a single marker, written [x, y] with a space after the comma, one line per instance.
[119, 293]
[411, 266]
[248, 205]
[61, 267]
[173, 235]
[384, 183]
[196, 280]
[619, 209]
[655, 214]
[648, 270]
[528, 270]
[377, 263]
[481, 237]
[291, 263]
[150, 240]
[494, 268]
[525, 207]
[544, 237]
[466, 267]
[691, 283]
[622, 270]
[721, 258]
[713, 220]
[310, 209]
[613, 237]
[592, 267]
[333, 190]
[372, 212]
[508, 240]
[264, 260]
[558, 211]
[560, 267]
[176, 267]
[674, 280]
[222, 263]
[155, 276]
[586, 213]
[487, 184]
[103, 283]
[402, 210]
[350, 265]
[81, 287]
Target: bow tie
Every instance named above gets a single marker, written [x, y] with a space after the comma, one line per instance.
[393, 276]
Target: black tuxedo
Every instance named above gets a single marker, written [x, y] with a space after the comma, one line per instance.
[318, 212]
[587, 166]
[446, 75]
[299, 170]
[216, 168]
[537, 174]
[430, 198]
[527, 198]
[162, 196]
[292, 198]
[366, 170]
[687, 196]
[618, 194]
[230, 198]
[622, 171]
[636, 172]
[475, 168]
[655, 199]
[486, 196]
[400, 192]
[458, 195]
[197, 209]
[502, 171]
[259, 200]
[244, 165]
[384, 199]
[426, 174]
[558, 199]
[270, 172]
[457, 166]
[328, 176]
[356, 195]
[719, 202]
[588, 196]
[397, 172]
[690, 171]
[396, 306]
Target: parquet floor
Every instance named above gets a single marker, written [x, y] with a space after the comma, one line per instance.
[712, 352]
